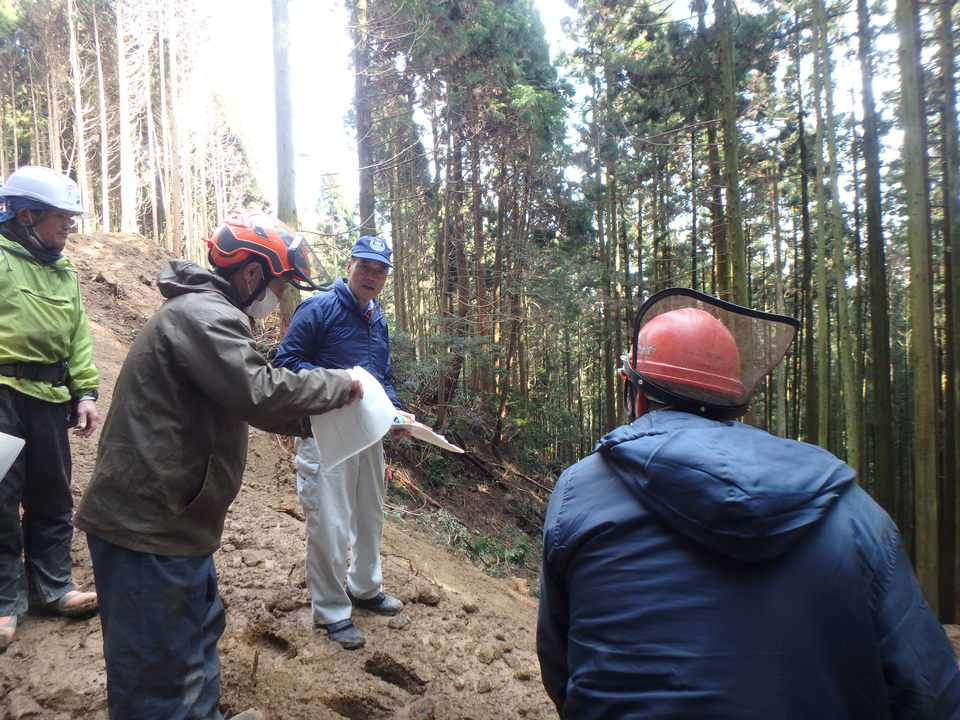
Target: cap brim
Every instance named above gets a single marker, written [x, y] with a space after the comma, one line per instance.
[372, 256]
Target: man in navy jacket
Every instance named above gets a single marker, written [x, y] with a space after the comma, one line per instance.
[343, 505]
[696, 567]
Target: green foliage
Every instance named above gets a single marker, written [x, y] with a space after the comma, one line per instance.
[435, 469]
[494, 555]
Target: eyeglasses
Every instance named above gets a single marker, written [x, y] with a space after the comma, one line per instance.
[63, 218]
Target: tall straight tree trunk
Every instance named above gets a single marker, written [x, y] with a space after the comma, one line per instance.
[694, 210]
[608, 420]
[615, 399]
[286, 185]
[881, 416]
[740, 292]
[128, 180]
[718, 228]
[54, 126]
[34, 114]
[362, 108]
[14, 144]
[950, 607]
[484, 385]
[780, 377]
[921, 350]
[80, 132]
[3, 140]
[824, 420]
[812, 390]
[283, 112]
[453, 306]
[845, 337]
[104, 153]
[178, 218]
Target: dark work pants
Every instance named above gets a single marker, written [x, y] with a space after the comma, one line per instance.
[161, 617]
[35, 551]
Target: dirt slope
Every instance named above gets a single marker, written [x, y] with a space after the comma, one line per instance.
[463, 647]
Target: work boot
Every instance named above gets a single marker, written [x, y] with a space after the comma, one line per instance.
[345, 633]
[8, 628]
[72, 604]
[381, 603]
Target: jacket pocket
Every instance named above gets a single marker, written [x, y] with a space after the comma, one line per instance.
[192, 495]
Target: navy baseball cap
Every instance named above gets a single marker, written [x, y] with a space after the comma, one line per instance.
[372, 248]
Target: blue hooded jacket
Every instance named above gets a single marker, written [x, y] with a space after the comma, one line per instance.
[697, 569]
[329, 330]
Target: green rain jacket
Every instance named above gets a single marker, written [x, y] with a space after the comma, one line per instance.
[42, 321]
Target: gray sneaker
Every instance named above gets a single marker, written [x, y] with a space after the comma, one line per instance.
[345, 633]
[381, 603]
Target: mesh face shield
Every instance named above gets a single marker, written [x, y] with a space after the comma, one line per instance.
[309, 273]
[698, 354]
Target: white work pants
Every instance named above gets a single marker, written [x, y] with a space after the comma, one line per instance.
[344, 512]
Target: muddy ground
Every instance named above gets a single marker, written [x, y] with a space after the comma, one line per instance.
[462, 648]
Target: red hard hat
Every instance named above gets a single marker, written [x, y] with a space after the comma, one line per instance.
[699, 354]
[246, 233]
[689, 348]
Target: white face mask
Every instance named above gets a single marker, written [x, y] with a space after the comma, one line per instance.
[259, 309]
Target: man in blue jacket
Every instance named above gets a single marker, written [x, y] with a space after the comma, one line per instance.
[343, 505]
[696, 567]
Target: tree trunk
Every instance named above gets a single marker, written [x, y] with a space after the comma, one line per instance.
[179, 181]
[739, 290]
[718, 230]
[780, 373]
[921, 349]
[54, 127]
[880, 419]
[845, 338]
[128, 180]
[362, 108]
[822, 336]
[286, 183]
[80, 132]
[104, 151]
[950, 603]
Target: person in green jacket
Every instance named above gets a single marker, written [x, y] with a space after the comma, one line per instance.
[47, 383]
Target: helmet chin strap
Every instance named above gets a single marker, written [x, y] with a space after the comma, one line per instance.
[264, 281]
[640, 406]
[35, 244]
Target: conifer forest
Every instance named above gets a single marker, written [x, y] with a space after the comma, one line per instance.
[796, 156]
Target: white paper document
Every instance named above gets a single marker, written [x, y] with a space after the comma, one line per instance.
[344, 432]
[10, 447]
[422, 432]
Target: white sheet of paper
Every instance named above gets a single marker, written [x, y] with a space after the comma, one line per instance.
[344, 432]
[422, 432]
[10, 447]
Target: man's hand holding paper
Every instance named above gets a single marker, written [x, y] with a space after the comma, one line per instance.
[357, 425]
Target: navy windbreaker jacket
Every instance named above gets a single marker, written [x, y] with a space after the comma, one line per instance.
[329, 330]
[697, 569]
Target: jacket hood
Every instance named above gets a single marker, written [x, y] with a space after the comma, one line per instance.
[185, 276]
[728, 486]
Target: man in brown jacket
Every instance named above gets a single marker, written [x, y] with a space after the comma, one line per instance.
[171, 460]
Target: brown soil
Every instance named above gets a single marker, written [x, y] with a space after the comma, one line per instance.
[462, 648]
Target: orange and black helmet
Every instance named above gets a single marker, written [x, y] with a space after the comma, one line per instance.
[247, 234]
